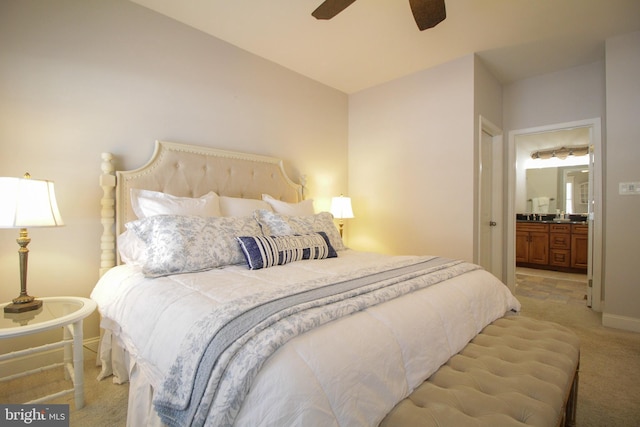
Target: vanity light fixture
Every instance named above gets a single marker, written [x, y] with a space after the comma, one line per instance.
[561, 153]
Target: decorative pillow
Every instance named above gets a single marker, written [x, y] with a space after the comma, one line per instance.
[237, 206]
[186, 244]
[267, 251]
[274, 224]
[146, 203]
[302, 208]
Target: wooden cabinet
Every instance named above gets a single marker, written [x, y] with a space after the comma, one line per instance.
[579, 246]
[560, 245]
[532, 243]
[552, 246]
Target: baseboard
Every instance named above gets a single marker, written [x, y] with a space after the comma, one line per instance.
[45, 358]
[621, 322]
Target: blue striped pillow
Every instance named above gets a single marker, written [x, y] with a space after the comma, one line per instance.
[267, 251]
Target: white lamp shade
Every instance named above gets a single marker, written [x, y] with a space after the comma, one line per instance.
[341, 207]
[26, 202]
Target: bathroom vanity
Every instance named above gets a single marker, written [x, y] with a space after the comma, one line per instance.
[550, 244]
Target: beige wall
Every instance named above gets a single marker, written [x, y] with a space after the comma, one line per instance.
[564, 96]
[487, 94]
[411, 163]
[622, 244]
[78, 78]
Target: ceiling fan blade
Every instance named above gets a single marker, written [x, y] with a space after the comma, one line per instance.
[428, 13]
[330, 8]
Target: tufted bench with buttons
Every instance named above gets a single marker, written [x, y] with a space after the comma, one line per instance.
[517, 371]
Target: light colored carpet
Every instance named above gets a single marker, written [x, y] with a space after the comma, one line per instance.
[608, 395]
[609, 390]
[105, 402]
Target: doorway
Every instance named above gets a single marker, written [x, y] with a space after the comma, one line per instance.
[594, 216]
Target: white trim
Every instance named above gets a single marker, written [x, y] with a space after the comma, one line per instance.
[595, 267]
[621, 322]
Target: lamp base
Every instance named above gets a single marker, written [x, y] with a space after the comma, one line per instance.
[22, 307]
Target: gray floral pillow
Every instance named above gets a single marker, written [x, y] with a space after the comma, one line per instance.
[186, 244]
[274, 224]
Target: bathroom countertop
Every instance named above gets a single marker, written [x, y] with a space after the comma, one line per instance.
[551, 221]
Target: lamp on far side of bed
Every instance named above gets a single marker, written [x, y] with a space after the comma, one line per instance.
[26, 202]
[341, 210]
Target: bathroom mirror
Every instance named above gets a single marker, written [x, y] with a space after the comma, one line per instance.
[564, 188]
[546, 162]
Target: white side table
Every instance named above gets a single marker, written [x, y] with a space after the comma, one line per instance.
[56, 312]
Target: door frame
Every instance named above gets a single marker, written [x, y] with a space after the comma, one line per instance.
[498, 251]
[596, 242]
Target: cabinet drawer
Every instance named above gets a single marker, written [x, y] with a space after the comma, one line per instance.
[560, 241]
[560, 257]
[560, 228]
[579, 228]
[529, 226]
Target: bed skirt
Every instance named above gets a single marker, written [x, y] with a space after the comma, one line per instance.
[115, 361]
[517, 370]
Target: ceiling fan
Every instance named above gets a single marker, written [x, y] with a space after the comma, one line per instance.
[427, 13]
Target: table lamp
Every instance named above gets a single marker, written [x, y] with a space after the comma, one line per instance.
[26, 202]
[341, 209]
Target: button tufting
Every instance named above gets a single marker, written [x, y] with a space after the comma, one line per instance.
[496, 382]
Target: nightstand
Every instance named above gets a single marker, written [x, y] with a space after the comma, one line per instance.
[56, 312]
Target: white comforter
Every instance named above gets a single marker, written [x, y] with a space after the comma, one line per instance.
[351, 371]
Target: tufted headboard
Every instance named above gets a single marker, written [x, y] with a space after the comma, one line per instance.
[187, 171]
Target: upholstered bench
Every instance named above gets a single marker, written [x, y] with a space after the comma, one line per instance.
[517, 371]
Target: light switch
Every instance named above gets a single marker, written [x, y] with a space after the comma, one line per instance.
[629, 188]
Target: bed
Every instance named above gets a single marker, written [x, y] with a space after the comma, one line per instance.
[225, 299]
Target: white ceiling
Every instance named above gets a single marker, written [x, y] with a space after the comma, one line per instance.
[374, 41]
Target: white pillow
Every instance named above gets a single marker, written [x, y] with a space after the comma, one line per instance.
[146, 203]
[237, 206]
[132, 249]
[303, 208]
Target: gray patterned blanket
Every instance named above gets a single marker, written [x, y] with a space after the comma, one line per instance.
[224, 351]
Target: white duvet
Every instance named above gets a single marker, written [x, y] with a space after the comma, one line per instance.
[349, 372]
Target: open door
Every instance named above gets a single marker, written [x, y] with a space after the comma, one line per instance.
[590, 222]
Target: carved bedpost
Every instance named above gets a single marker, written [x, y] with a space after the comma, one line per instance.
[107, 214]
